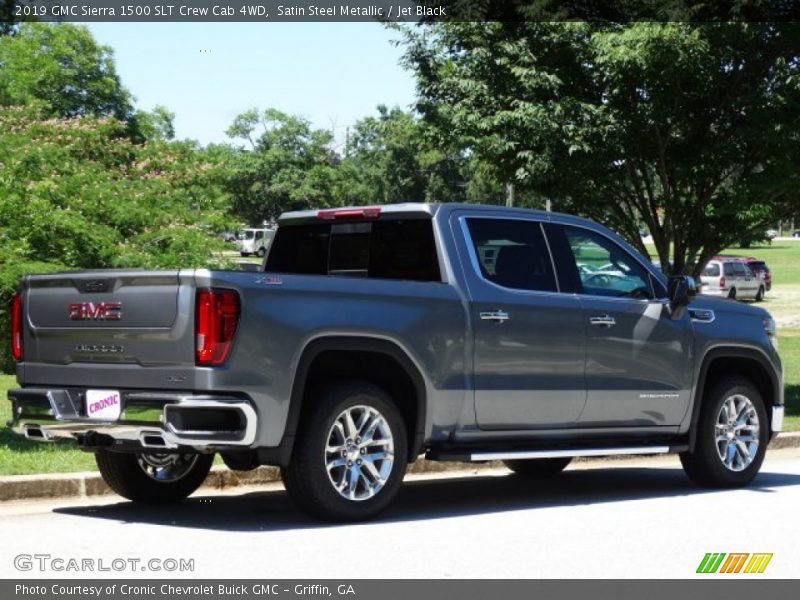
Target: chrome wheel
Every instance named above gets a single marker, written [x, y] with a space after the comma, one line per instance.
[736, 432]
[359, 453]
[165, 467]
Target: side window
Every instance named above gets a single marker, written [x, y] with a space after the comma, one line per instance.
[512, 253]
[604, 268]
[728, 269]
[748, 272]
[711, 270]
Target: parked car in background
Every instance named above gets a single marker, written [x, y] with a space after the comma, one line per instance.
[761, 269]
[255, 241]
[732, 278]
[771, 234]
[796, 234]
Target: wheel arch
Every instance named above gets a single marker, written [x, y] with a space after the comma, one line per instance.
[748, 362]
[392, 361]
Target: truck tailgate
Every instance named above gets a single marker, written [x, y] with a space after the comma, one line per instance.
[130, 316]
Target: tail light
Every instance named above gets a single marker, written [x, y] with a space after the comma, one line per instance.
[336, 214]
[216, 319]
[722, 282]
[16, 327]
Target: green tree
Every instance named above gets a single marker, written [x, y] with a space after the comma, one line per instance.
[62, 70]
[690, 129]
[76, 192]
[392, 158]
[287, 165]
[157, 124]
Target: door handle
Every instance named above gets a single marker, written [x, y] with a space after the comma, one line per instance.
[603, 321]
[495, 315]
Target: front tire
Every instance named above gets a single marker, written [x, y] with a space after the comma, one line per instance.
[732, 293]
[539, 468]
[760, 294]
[732, 436]
[350, 456]
[153, 477]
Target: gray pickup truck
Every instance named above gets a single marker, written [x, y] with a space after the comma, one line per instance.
[374, 335]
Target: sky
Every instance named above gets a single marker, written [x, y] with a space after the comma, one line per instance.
[206, 73]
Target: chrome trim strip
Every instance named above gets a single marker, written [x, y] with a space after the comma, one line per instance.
[521, 454]
[777, 418]
[476, 269]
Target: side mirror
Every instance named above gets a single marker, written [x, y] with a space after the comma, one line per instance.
[681, 289]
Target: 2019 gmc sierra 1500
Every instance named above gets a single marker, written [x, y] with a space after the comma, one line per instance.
[377, 334]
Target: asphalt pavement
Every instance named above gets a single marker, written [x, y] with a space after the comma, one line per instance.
[612, 518]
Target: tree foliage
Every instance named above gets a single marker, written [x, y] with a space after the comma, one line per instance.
[286, 165]
[689, 129]
[63, 71]
[77, 192]
[392, 158]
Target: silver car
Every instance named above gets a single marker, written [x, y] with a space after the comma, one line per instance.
[732, 278]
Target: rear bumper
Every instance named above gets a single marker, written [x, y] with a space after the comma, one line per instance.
[152, 420]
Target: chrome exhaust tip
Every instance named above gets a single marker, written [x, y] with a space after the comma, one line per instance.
[37, 434]
[155, 440]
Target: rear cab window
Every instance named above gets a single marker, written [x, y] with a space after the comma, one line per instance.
[711, 270]
[399, 247]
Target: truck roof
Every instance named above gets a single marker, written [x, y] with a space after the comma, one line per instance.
[413, 208]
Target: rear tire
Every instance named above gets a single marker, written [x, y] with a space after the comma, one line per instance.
[138, 477]
[261, 252]
[347, 471]
[244, 254]
[538, 468]
[732, 436]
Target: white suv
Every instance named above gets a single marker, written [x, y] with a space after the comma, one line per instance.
[733, 278]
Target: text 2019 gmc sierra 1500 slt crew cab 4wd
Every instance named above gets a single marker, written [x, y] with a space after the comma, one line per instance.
[376, 334]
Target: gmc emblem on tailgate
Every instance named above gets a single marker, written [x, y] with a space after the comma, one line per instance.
[100, 311]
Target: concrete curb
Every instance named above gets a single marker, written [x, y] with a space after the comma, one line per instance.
[89, 484]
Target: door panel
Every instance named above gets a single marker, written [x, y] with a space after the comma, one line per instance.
[638, 367]
[529, 340]
[638, 353]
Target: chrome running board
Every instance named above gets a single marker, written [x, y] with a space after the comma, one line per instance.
[473, 454]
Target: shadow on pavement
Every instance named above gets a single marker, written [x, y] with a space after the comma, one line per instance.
[427, 499]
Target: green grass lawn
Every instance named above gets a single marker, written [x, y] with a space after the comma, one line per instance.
[19, 456]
